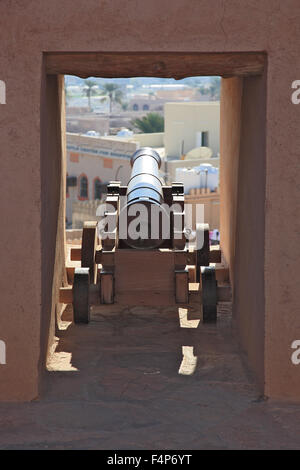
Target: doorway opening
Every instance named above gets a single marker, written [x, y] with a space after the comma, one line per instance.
[242, 135]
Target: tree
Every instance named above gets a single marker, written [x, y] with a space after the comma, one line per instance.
[89, 89]
[124, 105]
[152, 122]
[67, 94]
[114, 93]
[214, 88]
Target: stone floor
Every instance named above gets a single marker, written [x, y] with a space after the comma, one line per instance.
[131, 380]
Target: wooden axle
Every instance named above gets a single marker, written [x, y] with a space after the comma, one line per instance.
[100, 256]
[66, 293]
[111, 273]
[222, 274]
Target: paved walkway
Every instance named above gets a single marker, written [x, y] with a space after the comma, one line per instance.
[122, 382]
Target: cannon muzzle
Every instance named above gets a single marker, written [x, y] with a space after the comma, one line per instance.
[144, 205]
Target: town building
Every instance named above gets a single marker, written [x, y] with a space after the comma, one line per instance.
[191, 124]
[159, 96]
[94, 161]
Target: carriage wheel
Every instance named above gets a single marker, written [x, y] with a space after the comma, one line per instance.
[202, 253]
[81, 297]
[88, 249]
[209, 294]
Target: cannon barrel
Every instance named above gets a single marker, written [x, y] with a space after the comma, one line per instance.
[145, 183]
[145, 191]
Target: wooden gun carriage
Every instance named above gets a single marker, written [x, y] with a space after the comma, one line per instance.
[144, 271]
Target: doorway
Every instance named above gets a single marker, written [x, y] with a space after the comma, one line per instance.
[243, 98]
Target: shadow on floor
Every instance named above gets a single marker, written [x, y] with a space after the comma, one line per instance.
[115, 384]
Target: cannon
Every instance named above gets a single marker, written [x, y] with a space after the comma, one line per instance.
[138, 252]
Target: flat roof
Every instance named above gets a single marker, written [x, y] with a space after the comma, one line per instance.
[193, 103]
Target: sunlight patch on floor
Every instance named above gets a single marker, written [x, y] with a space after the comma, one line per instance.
[189, 361]
[183, 319]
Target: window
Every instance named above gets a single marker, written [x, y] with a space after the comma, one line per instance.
[135, 107]
[97, 188]
[67, 187]
[83, 187]
[71, 183]
[204, 142]
[146, 107]
[202, 139]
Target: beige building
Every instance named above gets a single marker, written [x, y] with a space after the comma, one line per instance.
[94, 161]
[190, 125]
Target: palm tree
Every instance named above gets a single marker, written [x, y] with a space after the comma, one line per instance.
[152, 122]
[89, 89]
[114, 93]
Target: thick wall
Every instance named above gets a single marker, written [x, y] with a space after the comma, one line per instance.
[20, 232]
[29, 29]
[282, 223]
[242, 187]
[230, 129]
[53, 190]
[249, 301]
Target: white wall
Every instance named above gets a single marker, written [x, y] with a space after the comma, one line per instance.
[155, 139]
[171, 165]
[184, 120]
[96, 158]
